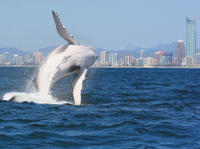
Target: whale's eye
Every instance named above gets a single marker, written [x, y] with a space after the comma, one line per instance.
[66, 59]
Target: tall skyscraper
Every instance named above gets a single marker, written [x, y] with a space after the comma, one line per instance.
[1, 59]
[104, 58]
[180, 52]
[149, 61]
[158, 56]
[142, 53]
[197, 58]
[163, 60]
[17, 60]
[168, 57]
[114, 59]
[190, 38]
[38, 57]
[127, 60]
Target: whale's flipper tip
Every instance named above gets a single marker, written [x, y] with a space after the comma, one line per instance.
[62, 30]
[54, 12]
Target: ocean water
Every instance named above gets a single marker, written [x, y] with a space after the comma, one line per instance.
[121, 108]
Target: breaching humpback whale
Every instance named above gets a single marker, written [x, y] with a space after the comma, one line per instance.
[63, 61]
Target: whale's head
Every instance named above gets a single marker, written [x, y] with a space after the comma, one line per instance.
[72, 59]
[83, 56]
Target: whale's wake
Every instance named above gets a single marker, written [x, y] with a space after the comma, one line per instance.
[61, 62]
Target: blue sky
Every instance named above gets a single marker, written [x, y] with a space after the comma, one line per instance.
[115, 24]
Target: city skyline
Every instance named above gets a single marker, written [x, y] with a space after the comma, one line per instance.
[112, 59]
[162, 57]
[120, 24]
[188, 56]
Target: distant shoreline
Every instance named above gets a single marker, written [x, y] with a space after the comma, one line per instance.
[162, 67]
[19, 66]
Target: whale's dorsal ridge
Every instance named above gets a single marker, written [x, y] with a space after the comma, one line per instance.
[62, 31]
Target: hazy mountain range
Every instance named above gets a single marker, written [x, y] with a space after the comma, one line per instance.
[135, 51]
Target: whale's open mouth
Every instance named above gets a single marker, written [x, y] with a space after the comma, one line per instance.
[74, 68]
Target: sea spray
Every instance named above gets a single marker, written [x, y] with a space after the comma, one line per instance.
[32, 98]
[30, 83]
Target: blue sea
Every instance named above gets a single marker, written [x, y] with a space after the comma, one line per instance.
[121, 108]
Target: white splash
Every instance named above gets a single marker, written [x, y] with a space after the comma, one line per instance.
[32, 97]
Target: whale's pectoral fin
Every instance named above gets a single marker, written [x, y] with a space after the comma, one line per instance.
[62, 30]
[77, 85]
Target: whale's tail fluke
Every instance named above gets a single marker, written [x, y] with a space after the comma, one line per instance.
[62, 30]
